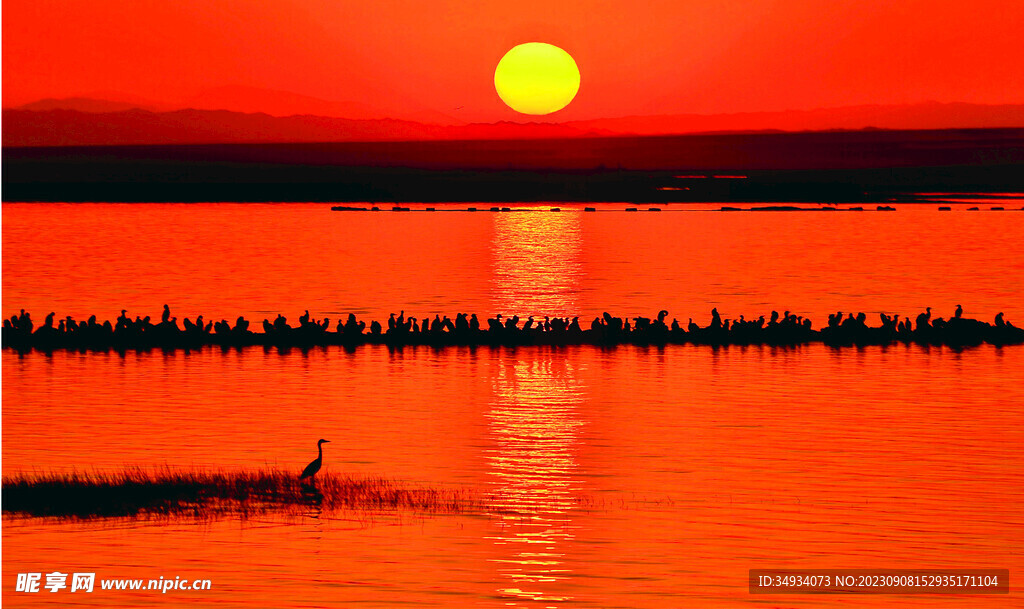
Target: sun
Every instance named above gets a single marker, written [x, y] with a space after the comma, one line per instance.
[536, 78]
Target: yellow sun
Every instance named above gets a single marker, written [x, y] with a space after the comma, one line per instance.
[536, 78]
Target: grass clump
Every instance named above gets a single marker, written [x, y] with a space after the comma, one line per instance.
[136, 492]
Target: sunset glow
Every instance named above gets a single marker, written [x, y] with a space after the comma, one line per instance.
[405, 60]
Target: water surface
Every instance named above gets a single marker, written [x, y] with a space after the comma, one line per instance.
[633, 477]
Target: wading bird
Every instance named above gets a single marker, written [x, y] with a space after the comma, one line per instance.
[314, 467]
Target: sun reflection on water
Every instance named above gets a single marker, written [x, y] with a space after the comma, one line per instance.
[537, 266]
[534, 425]
[533, 420]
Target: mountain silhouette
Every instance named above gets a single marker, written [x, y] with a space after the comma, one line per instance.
[929, 115]
[85, 104]
[88, 122]
[140, 127]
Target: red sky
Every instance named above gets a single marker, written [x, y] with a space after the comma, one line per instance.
[636, 57]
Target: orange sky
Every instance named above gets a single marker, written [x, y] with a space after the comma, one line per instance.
[637, 58]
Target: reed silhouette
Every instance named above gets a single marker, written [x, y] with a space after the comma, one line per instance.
[19, 332]
[135, 492]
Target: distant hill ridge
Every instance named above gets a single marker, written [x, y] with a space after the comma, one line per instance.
[139, 127]
[931, 115]
[85, 121]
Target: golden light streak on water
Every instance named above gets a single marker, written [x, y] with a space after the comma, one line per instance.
[534, 425]
[536, 263]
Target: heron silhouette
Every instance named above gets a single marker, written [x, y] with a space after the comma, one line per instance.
[314, 466]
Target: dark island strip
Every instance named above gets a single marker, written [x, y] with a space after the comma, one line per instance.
[20, 333]
[398, 208]
[857, 167]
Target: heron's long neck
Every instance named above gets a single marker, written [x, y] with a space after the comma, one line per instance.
[320, 451]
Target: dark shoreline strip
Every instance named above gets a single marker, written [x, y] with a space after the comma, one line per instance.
[18, 333]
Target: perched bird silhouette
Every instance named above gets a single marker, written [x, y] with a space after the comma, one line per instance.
[314, 467]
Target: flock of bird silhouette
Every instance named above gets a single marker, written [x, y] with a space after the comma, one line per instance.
[20, 332]
[788, 329]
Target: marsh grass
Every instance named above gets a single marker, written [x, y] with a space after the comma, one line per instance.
[135, 492]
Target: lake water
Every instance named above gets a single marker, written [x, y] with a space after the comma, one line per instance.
[633, 477]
